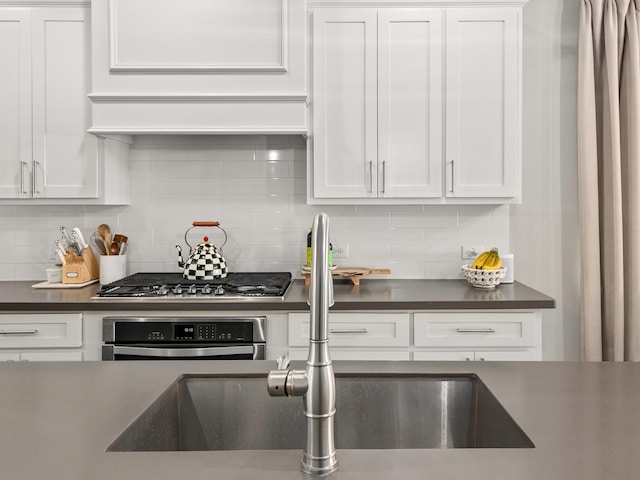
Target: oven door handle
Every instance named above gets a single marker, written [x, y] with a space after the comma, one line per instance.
[183, 352]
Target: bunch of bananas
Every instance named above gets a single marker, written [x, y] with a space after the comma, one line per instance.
[489, 260]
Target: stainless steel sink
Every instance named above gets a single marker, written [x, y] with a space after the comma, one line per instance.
[372, 412]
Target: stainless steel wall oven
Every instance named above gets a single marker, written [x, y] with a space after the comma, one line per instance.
[183, 338]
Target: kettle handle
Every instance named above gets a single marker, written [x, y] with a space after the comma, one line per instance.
[205, 224]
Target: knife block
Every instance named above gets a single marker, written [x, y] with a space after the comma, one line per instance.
[80, 269]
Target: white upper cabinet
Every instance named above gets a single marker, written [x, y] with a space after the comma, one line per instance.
[15, 103]
[345, 103]
[45, 53]
[62, 166]
[410, 103]
[202, 66]
[483, 119]
[46, 154]
[376, 103]
[415, 104]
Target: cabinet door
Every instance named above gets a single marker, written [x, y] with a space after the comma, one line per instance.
[483, 102]
[410, 103]
[344, 103]
[444, 356]
[9, 356]
[479, 356]
[354, 354]
[15, 103]
[64, 160]
[508, 356]
[51, 356]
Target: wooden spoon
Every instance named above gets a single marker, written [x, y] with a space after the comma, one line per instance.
[105, 233]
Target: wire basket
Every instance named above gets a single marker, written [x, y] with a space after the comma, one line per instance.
[483, 278]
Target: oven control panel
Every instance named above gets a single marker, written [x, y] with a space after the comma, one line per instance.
[178, 331]
[204, 331]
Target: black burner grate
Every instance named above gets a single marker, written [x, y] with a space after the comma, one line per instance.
[237, 283]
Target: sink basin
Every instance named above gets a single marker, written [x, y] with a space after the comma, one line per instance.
[372, 412]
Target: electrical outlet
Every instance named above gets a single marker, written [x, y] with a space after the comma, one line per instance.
[470, 252]
[341, 251]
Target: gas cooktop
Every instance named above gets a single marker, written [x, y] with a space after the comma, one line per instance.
[173, 286]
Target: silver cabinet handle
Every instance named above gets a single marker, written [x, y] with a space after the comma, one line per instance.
[19, 332]
[347, 331]
[34, 179]
[475, 330]
[384, 176]
[452, 180]
[371, 176]
[22, 166]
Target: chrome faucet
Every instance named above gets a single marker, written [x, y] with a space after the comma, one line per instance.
[317, 383]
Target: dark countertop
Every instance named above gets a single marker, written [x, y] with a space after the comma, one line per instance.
[58, 419]
[371, 294]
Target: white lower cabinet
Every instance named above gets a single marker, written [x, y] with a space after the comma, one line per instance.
[498, 336]
[425, 336]
[51, 356]
[355, 336]
[9, 356]
[41, 337]
[353, 354]
[470, 355]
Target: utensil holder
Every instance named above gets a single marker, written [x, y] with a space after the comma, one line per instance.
[112, 268]
[80, 269]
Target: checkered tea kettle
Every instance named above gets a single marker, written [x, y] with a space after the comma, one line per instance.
[205, 261]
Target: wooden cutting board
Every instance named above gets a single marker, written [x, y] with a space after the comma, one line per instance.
[353, 273]
[64, 285]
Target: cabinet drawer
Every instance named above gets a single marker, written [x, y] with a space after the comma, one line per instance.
[355, 330]
[41, 330]
[489, 329]
[465, 356]
[349, 354]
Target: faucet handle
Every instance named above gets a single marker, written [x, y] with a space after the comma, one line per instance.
[283, 362]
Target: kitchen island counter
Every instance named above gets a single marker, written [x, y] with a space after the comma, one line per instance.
[59, 418]
[371, 294]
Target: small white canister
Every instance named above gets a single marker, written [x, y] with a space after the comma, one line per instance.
[54, 274]
[507, 263]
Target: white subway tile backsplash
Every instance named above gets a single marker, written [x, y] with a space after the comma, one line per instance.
[257, 169]
[255, 186]
[8, 272]
[431, 218]
[165, 153]
[186, 169]
[442, 270]
[8, 238]
[402, 269]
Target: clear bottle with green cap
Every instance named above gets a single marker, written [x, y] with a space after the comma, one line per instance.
[309, 235]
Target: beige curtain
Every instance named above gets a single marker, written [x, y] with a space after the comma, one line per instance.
[609, 178]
